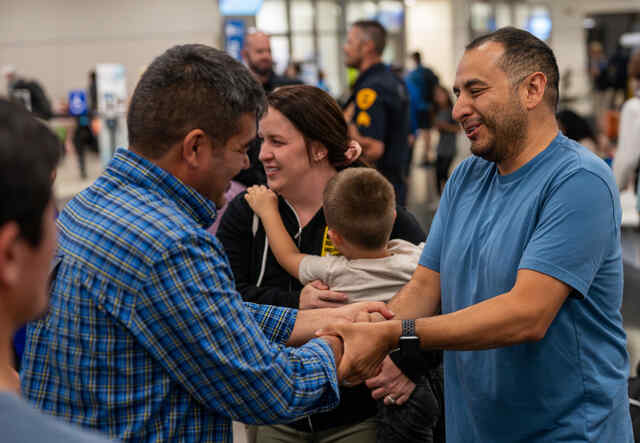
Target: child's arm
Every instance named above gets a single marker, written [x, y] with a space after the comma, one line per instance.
[264, 203]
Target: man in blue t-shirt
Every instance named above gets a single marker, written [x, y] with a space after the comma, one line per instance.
[524, 261]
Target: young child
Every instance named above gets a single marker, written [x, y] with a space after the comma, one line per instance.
[359, 208]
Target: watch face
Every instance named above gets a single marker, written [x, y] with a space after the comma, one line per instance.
[411, 338]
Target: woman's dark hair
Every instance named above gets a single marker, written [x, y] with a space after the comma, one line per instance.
[318, 117]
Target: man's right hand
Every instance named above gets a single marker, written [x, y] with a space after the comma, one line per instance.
[365, 347]
[317, 295]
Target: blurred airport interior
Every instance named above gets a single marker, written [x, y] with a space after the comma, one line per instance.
[83, 59]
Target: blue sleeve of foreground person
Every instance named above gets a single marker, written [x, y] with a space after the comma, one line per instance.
[216, 348]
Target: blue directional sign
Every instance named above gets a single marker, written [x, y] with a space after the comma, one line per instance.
[77, 102]
[234, 37]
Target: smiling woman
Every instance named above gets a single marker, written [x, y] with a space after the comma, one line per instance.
[305, 144]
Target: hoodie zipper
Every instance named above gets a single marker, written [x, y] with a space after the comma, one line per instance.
[298, 238]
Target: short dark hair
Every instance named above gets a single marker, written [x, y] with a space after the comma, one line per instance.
[189, 87]
[416, 57]
[26, 153]
[525, 54]
[375, 32]
[359, 205]
[317, 116]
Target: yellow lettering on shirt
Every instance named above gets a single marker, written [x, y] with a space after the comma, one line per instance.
[327, 245]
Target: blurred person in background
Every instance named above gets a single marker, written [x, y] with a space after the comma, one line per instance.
[424, 81]
[627, 159]
[83, 137]
[322, 83]
[599, 78]
[258, 58]
[378, 109]
[448, 128]
[28, 92]
[293, 72]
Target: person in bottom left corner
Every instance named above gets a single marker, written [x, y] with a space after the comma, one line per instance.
[27, 244]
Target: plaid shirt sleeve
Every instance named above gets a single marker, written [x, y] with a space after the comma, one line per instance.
[191, 319]
[276, 322]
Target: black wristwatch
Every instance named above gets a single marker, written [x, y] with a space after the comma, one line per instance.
[409, 341]
[408, 356]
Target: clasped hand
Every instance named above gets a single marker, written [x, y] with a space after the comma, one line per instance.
[365, 344]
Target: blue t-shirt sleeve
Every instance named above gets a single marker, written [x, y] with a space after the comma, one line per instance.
[574, 231]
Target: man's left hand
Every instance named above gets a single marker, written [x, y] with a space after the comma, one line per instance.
[391, 384]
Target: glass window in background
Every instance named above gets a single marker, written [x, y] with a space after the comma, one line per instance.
[521, 15]
[328, 16]
[280, 52]
[360, 11]
[487, 17]
[539, 23]
[391, 15]
[301, 16]
[302, 49]
[272, 17]
[482, 19]
[503, 15]
[330, 61]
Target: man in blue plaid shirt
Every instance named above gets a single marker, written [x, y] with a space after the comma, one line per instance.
[146, 338]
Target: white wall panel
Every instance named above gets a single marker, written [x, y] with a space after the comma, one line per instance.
[58, 42]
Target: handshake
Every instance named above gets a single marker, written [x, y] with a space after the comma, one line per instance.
[361, 339]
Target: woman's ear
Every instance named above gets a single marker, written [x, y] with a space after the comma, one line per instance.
[318, 151]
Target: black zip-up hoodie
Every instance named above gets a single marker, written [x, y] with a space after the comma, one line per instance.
[250, 264]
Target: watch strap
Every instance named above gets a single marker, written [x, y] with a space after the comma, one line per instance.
[408, 328]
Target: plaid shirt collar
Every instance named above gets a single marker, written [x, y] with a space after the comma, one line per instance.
[148, 175]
